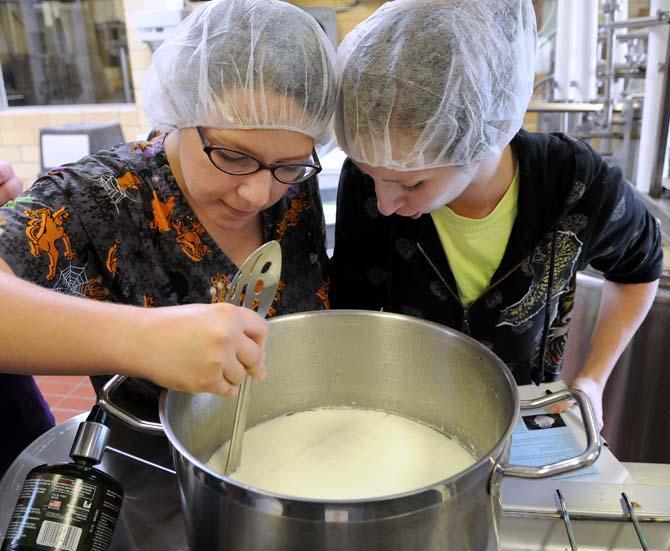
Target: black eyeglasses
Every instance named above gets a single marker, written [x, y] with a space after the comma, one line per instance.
[238, 163]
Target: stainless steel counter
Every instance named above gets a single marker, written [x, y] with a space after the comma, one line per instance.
[151, 518]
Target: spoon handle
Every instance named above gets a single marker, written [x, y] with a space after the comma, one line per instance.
[240, 422]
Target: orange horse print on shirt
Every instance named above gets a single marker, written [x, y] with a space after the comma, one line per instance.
[162, 213]
[322, 293]
[44, 230]
[292, 215]
[129, 181]
[188, 236]
[95, 289]
[272, 311]
[111, 260]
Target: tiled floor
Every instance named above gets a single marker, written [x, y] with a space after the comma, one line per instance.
[67, 396]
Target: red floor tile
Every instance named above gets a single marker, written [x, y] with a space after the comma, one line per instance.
[49, 388]
[72, 379]
[67, 396]
[84, 391]
[64, 414]
[74, 403]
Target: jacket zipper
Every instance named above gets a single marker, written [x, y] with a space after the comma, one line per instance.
[465, 324]
[466, 309]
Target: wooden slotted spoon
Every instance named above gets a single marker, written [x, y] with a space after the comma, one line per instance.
[254, 286]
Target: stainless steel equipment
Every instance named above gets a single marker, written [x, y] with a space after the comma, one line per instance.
[151, 518]
[623, 68]
[371, 360]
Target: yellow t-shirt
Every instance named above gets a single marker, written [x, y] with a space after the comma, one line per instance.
[475, 247]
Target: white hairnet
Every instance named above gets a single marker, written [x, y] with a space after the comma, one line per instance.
[430, 83]
[247, 64]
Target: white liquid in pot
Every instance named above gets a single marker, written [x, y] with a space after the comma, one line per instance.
[344, 454]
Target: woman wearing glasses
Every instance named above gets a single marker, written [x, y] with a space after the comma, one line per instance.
[153, 231]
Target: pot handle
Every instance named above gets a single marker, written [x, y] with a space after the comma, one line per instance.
[593, 441]
[106, 403]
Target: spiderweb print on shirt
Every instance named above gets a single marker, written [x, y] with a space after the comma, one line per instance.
[113, 189]
[72, 281]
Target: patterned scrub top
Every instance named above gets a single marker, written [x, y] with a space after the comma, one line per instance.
[115, 227]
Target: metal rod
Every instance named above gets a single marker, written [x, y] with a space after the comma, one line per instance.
[632, 36]
[566, 520]
[4, 104]
[656, 184]
[123, 56]
[576, 515]
[608, 81]
[620, 67]
[563, 107]
[565, 122]
[234, 456]
[546, 80]
[661, 18]
[598, 134]
[636, 524]
[627, 148]
[625, 73]
[131, 457]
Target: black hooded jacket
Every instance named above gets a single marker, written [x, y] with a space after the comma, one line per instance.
[574, 210]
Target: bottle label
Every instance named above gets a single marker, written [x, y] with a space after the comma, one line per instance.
[63, 513]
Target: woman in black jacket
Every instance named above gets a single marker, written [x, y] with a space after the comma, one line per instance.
[448, 211]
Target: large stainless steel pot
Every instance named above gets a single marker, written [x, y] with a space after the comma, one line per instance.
[372, 360]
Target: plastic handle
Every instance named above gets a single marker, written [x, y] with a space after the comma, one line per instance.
[106, 403]
[593, 441]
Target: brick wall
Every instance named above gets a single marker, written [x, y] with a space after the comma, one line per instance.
[19, 130]
[19, 127]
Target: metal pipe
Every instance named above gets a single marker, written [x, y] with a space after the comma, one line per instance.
[546, 80]
[632, 36]
[636, 524]
[625, 73]
[599, 134]
[627, 148]
[656, 185]
[124, 72]
[661, 18]
[566, 520]
[622, 66]
[4, 104]
[608, 82]
[577, 515]
[564, 107]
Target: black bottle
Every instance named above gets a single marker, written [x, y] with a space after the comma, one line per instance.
[69, 506]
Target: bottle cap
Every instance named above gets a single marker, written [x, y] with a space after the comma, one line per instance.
[92, 436]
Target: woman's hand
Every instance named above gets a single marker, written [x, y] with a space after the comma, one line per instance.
[622, 309]
[593, 391]
[198, 347]
[10, 184]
